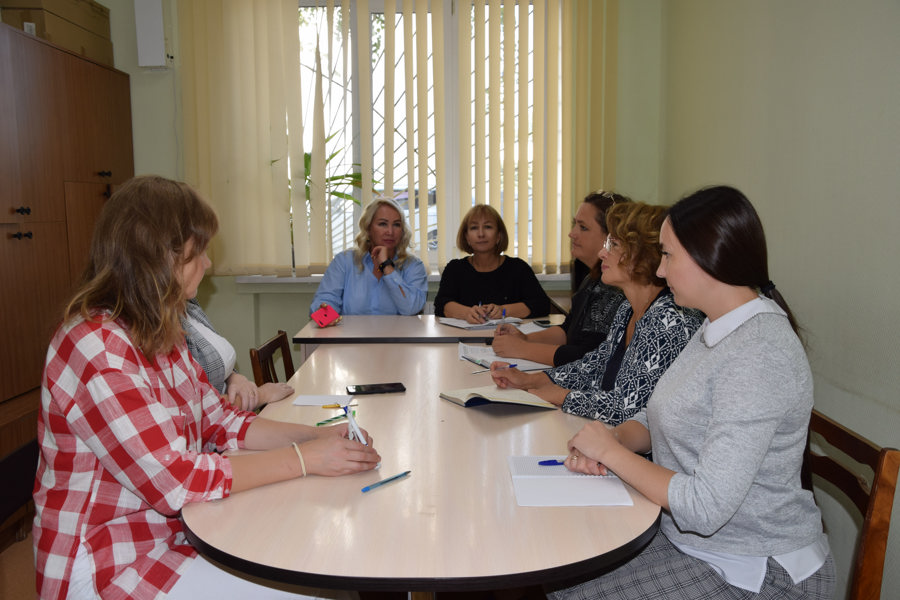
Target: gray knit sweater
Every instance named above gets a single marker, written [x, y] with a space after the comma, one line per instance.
[730, 417]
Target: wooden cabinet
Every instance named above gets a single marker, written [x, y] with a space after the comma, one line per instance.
[65, 142]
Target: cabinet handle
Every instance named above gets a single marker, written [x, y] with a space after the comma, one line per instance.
[24, 210]
[19, 235]
[104, 173]
[108, 191]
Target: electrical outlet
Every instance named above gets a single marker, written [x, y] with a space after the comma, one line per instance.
[29, 28]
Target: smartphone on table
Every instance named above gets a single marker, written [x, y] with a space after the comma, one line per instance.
[376, 388]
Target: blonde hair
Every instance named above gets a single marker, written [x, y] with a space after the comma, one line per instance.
[133, 269]
[364, 244]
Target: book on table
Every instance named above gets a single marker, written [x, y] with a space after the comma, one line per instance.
[491, 394]
[489, 324]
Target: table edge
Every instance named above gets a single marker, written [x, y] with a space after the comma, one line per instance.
[393, 340]
[556, 577]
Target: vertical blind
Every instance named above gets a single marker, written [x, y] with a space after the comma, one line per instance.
[441, 104]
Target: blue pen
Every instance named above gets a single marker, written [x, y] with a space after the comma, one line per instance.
[384, 481]
[547, 463]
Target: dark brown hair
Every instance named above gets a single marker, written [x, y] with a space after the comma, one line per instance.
[482, 211]
[636, 225]
[722, 232]
[139, 243]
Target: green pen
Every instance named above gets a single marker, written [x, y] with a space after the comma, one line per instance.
[333, 419]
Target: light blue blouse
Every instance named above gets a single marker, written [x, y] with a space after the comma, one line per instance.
[353, 292]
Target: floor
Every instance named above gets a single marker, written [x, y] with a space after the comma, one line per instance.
[17, 571]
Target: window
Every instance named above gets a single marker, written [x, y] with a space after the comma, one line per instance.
[456, 102]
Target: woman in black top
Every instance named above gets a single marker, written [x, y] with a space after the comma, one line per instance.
[593, 305]
[487, 284]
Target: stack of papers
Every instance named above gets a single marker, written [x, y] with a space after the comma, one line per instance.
[485, 355]
[555, 485]
[491, 324]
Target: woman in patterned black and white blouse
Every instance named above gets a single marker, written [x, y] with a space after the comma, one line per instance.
[613, 382]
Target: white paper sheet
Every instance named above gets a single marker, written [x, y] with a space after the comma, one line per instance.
[316, 400]
[486, 355]
[555, 485]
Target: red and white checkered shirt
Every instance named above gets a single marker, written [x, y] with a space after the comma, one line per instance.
[125, 444]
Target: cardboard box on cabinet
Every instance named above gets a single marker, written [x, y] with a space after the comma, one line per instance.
[81, 26]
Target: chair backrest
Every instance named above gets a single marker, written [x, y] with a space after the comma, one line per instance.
[263, 359]
[874, 501]
[17, 471]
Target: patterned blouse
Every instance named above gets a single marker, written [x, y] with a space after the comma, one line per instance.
[659, 336]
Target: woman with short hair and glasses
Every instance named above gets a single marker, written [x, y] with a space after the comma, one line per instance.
[727, 425]
[614, 381]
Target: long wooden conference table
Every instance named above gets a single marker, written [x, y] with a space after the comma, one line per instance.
[452, 525]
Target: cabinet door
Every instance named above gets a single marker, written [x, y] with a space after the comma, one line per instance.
[38, 86]
[83, 204]
[100, 123]
[34, 269]
[10, 189]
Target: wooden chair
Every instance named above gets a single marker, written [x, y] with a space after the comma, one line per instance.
[874, 501]
[263, 359]
[17, 471]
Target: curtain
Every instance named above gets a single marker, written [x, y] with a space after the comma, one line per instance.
[441, 104]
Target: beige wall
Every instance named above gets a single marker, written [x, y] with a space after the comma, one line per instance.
[797, 104]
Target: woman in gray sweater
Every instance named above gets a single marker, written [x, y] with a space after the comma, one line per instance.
[727, 424]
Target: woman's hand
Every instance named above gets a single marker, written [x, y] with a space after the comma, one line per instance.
[589, 446]
[508, 330]
[474, 314]
[333, 455]
[492, 311]
[336, 321]
[509, 345]
[241, 392]
[506, 377]
[273, 392]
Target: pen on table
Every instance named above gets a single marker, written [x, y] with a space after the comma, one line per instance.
[477, 361]
[499, 369]
[354, 428]
[547, 463]
[372, 486]
[332, 419]
[335, 405]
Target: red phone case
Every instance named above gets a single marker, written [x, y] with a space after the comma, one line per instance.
[324, 316]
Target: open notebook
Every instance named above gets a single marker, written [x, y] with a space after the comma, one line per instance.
[491, 394]
[463, 324]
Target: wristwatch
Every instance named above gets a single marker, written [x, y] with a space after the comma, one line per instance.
[385, 265]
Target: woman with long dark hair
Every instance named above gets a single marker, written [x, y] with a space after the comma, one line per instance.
[727, 425]
[594, 304]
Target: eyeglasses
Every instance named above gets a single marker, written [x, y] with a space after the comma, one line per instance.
[611, 244]
[608, 195]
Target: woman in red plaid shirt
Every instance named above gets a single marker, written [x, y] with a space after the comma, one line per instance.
[130, 429]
